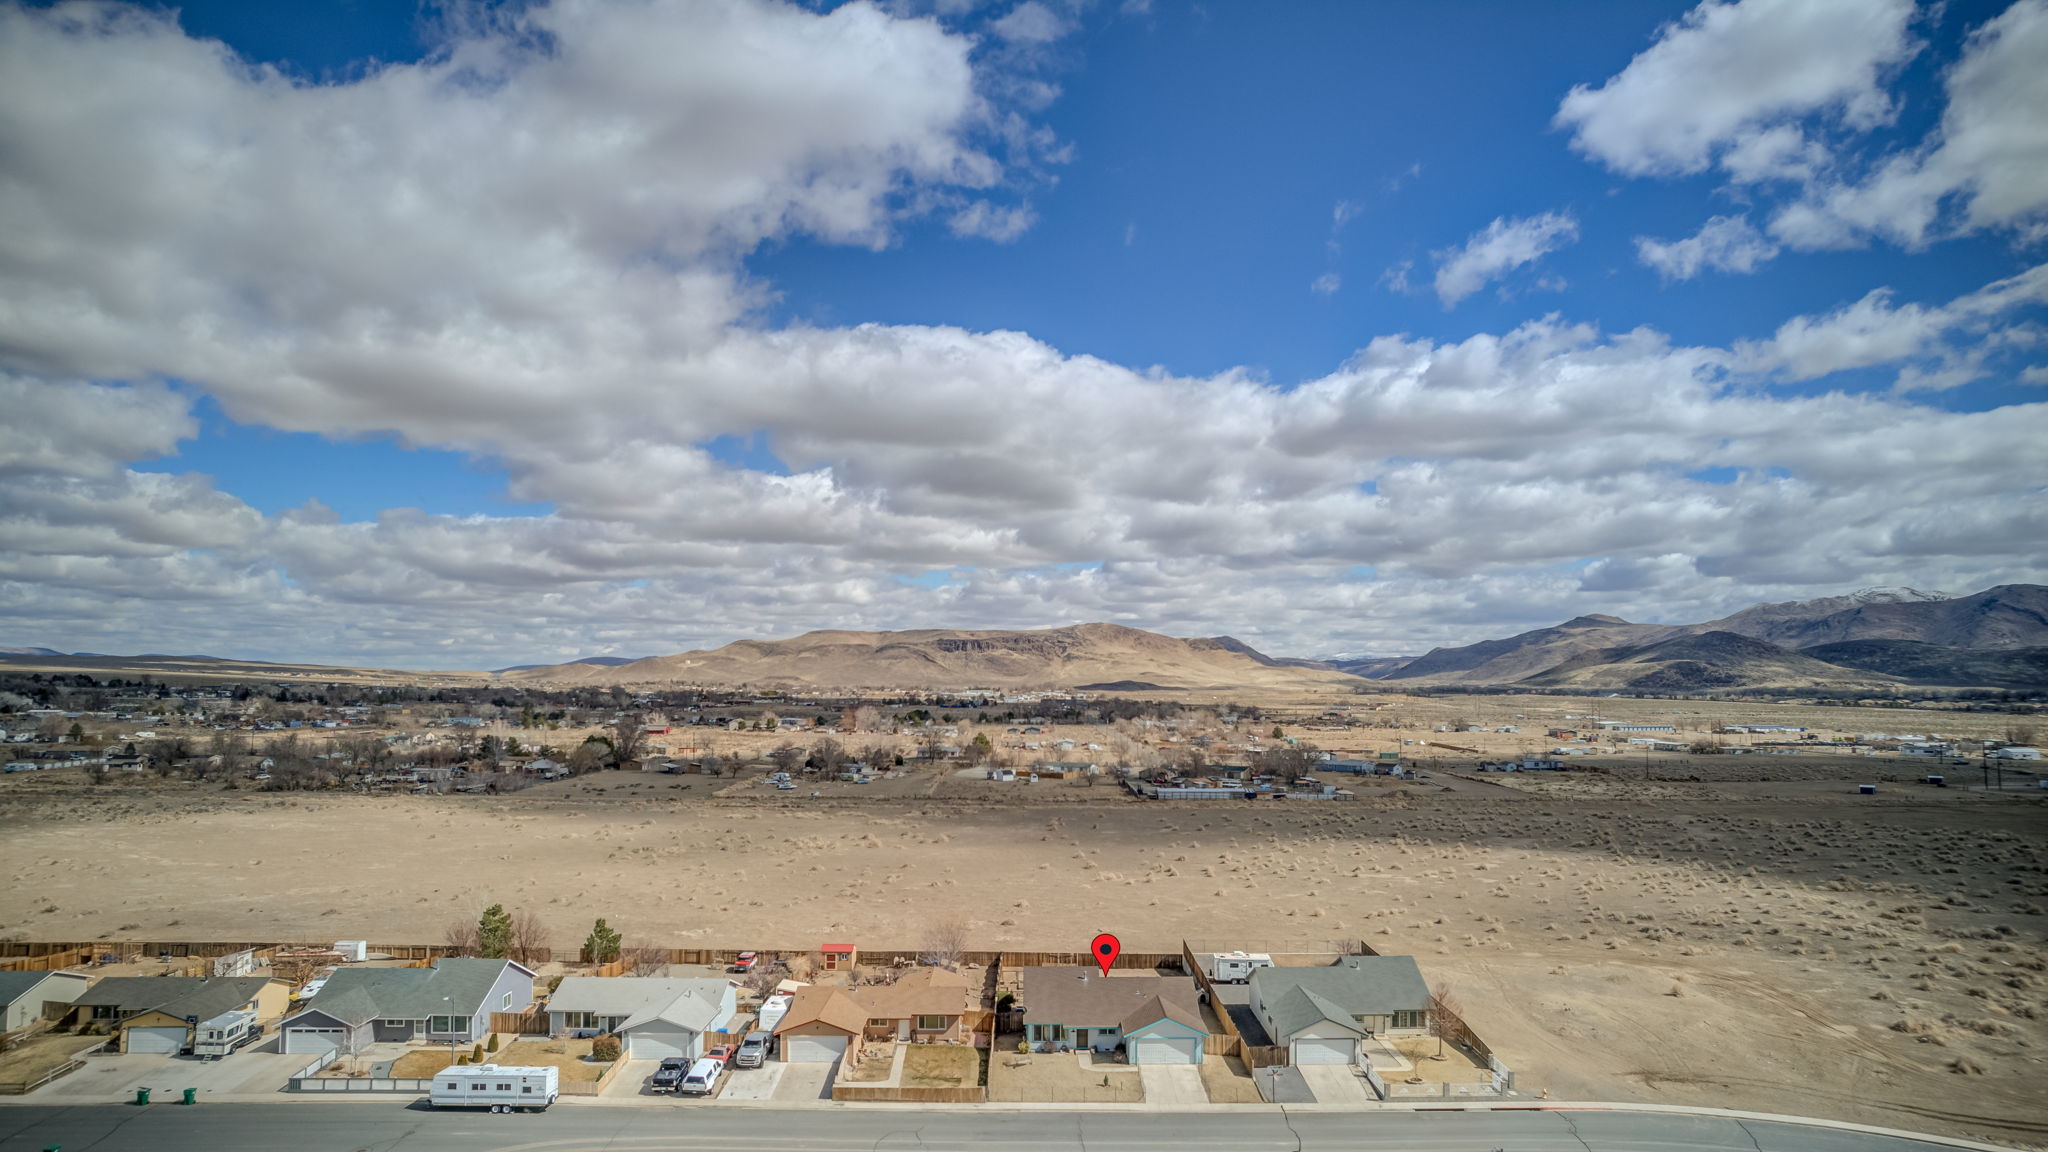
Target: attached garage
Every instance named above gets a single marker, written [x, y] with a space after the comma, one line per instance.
[656, 1042]
[1319, 1050]
[802, 1049]
[1165, 1050]
[312, 1041]
[168, 1041]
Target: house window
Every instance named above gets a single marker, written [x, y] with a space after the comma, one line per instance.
[1407, 1019]
[444, 1024]
[881, 1023]
[931, 1023]
[505, 1005]
[579, 1020]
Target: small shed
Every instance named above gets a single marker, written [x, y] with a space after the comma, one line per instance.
[839, 957]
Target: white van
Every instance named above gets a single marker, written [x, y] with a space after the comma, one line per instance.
[499, 1089]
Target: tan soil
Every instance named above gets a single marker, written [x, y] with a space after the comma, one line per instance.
[1831, 955]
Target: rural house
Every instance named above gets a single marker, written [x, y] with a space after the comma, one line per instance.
[820, 1024]
[23, 994]
[1155, 1019]
[1321, 1014]
[654, 1017]
[450, 1002]
[157, 1013]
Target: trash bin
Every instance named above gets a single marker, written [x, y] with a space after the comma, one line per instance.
[142, 1095]
[191, 1096]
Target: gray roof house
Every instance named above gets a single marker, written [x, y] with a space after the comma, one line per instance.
[1155, 1019]
[654, 1017]
[1321, 1014]
[23, 994]
[450, 1002]
[156, 1013]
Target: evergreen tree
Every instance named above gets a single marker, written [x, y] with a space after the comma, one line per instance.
[602, 945]
[494, 933]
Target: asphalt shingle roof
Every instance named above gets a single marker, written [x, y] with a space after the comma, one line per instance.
[452, 987]
[1354, 986]
[694, 1003]
[1081, 997]
[176, 995]
[14, 984]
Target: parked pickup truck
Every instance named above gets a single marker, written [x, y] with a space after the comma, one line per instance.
[702, 1079]
[745, 963]
[669, 1075]
[753, 1050]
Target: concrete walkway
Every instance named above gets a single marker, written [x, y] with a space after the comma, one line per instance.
[806, 1083]
[1337, 1084]
[755, 1083]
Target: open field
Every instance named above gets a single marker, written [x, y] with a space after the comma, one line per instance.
[1759, 938]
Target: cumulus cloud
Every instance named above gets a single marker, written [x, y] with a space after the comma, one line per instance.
[537, 257]
[1327, 284]
[1497, 249]
[1726, 70]
[1724, 243]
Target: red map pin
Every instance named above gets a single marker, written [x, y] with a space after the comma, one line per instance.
[1105, 947]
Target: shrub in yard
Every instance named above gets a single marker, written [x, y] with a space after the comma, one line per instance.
[476, 1054]
[493, 1045]
[604, 1049]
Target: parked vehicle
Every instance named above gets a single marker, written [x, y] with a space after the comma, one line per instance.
[702, 1079]
[226, 1033]
[721, 1053]
[669, 1075]
[507, 1089]
[745, 963]
[753, 1050]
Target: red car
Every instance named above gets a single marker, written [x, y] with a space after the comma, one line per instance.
[745, 963]
[722, 1054]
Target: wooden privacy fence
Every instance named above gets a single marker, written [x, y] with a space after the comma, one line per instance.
[48, 962]
[520, 1023]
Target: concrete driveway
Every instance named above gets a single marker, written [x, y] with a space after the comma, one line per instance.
[117, 1077]
[806, 1082]
[632, 1081]
[1172, 1085]
[1337, 1084]
[757, 1083]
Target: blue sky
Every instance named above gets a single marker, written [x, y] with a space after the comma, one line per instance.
[1305, 295]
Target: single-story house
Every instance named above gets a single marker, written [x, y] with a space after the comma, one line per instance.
[157, 1013]
[820, 1024]
[23, 994]
[450, 1002]
[1321, 1014]
[923, 1006]
[838, 956]
[653, 1016]
[1155, 1019]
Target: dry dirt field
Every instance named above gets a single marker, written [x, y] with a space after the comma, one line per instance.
[1761, 938]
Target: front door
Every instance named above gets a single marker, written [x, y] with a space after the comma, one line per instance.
[903, 1030]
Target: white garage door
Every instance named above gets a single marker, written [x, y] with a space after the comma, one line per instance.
[170, 1040]
[1166, 1050]
[1325, 1051]
[814, 1049]
[644, 1044]
[312, 1041]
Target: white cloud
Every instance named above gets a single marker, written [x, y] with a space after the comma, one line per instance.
[535, 258]
[1000, 224]
[1986, 165]
[1327, 284]
[1724, 243]
[1498, 249]
[1727, 70]
[1031, 23]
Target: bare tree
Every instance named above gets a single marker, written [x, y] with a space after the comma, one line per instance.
[1445, 1021]
[529, 938]
[761, 981]
[95, 771]
[629, 732]
[645, 960]
[827, 755]
[945, 942]
[461, 939]
[786, 757]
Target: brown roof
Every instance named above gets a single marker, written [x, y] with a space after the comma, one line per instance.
[824, 1004]
[1082, 997]
[919, 992]
[1157, 1008]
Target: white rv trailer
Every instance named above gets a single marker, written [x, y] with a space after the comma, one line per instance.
[504, 1089]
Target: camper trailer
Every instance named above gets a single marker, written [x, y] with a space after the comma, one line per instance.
[225, 1033]
[499, 1089]
[1233, 967]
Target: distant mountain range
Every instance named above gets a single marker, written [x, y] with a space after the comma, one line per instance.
[1083, 654]
[598, 661]
[1877, 638]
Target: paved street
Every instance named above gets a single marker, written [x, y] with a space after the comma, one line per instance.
[375, 1126]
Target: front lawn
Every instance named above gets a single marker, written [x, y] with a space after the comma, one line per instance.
[421, 1064]
[568, 1055]
[37, 1056]
[940, 1066]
